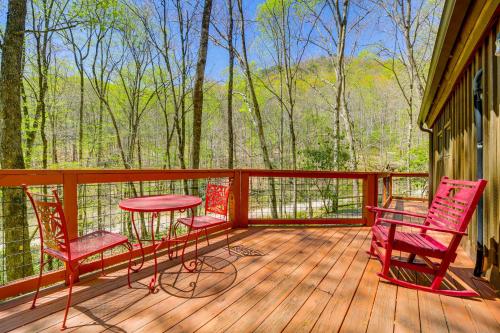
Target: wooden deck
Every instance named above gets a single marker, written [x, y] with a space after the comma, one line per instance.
[276, 279]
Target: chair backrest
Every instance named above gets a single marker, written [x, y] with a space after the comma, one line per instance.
[454, 203]
[51, 221]
[216, 198]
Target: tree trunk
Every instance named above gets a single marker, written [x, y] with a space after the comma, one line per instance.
[230, 133]
[17, 252]
[341, 22]
[99, 164]
[80, 116]
[198, 85]
[54, 141]
[31, 128]
[198, 91]
[256, 113]
[294, 163]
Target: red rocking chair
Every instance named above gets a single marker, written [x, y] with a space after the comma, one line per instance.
[450, 213]
[54, 241]
[216, 202]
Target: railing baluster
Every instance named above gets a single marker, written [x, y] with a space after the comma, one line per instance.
[370, 194]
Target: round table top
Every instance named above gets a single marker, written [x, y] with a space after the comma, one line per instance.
[159, 203]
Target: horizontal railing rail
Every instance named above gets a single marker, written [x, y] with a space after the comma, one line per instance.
[259, 197]
[309, 202]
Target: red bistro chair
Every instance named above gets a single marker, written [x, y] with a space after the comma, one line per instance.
[450, 213]
[54, 241]
[216, 202]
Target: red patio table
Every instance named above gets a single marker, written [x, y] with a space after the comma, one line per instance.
[155, 205]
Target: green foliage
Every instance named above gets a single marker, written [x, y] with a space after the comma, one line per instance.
[376, 106]
[321, 156]
[97, 13]
[419, 157]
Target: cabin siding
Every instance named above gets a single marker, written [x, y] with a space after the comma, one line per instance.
[454, 144]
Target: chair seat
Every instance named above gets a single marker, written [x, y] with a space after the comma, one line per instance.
[410, 242]
[90, 244]
[201, 222]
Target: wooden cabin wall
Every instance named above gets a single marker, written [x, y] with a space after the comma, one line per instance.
[454, 145]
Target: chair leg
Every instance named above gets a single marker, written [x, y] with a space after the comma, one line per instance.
[39, 282]
[169, 251]
[411, 257]
[436, 282]
[387, 261]
[206, 237]
[196, 251]
[440, 274]
[68, 303]
[130, 248]
[195, 261]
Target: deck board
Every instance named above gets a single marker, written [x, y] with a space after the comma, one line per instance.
[272, 272]
[260, 311]
[139, 315]
[432, 318]
[407, 316]
[284, 266]
[358, 314]
[334, 312]
[384, 309]
[165, 301]
[298, 280]
[284, 312]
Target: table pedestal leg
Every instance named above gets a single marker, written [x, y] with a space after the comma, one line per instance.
[153, 280]
[171, 231]
[140, 244]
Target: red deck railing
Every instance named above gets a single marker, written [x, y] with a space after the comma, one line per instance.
[259, 197]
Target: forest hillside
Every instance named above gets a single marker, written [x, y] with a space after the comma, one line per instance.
[110, 84]
[374, 102]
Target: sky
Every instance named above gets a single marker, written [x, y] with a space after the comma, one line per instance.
[217, 59]
[371, 34]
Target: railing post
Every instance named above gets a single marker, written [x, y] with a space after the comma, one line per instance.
[243, 207]
[384, 190]
[370, 193]
[387, 190]
[70, 202]
[70, 188]
[235, 199]
[390, 188]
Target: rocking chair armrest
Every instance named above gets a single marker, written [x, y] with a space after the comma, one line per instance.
[394, 211]
[420, 226]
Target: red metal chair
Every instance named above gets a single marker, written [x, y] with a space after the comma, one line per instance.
[216, 202]
[54, 241]
[450, 213]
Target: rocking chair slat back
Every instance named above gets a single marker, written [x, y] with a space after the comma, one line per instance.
[454, 203]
